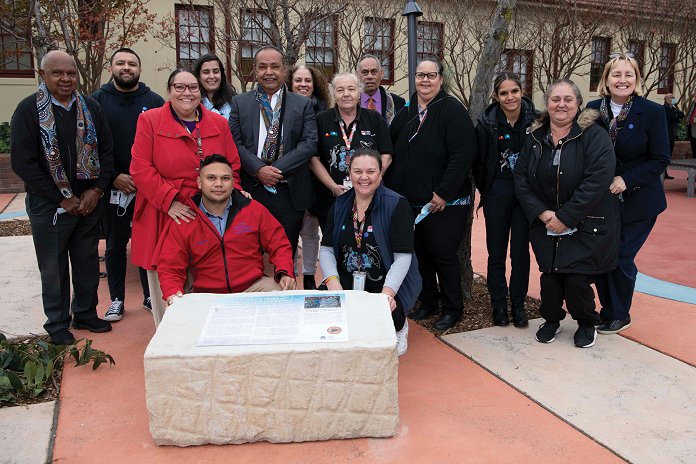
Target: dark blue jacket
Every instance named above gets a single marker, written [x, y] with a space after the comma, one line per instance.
[642, 154]
[383, 207]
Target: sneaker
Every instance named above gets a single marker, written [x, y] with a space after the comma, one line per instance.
[613, 326]
[547, 332]
[402, 340]
[147, 303]
[585, 337]
[115, 311]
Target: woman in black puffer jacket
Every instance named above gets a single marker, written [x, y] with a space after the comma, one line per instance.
[500, 133]
[562, 180]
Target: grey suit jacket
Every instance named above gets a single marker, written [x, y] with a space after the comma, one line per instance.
[299, 136]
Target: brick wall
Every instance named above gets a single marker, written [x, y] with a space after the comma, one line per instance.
[9, 182]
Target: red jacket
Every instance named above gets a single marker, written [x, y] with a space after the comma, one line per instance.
[165, 166]
[227, 264]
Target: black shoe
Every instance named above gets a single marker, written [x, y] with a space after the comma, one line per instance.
[62, 337]
[585, 337]
[547, 332]
[308, 282]
[667, 176]
[614, 326]
[93, 324]
[424, 311]
[500, 317]
[446, 321]
[519, 317]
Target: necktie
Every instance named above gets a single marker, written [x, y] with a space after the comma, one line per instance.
[371, 104]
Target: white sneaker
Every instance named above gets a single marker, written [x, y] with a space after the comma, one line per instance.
[115, 311]
[402, 339]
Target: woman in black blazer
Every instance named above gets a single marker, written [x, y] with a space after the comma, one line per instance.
[434, 147]
[638, 129]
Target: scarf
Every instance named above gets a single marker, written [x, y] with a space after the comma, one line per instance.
[85, 143]
[272, 118]
[614, 123]
[389, 108]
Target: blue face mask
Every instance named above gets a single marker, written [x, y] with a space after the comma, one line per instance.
[425, 210]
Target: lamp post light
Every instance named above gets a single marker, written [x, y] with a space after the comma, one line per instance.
[412, 11]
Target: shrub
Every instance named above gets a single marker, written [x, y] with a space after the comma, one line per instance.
[28, 368]
[5, 137]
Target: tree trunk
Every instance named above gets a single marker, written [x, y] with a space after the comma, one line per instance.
[480, 93]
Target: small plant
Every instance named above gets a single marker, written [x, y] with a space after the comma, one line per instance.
[29, 367]
[5, 137]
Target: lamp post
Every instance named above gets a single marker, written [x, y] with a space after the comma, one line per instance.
[412, 11]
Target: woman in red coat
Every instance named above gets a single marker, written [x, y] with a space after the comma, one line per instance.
[170, 143]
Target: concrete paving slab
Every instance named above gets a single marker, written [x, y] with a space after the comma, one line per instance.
[16, 209]
[25, 433]
[635, 401]
[20, 288]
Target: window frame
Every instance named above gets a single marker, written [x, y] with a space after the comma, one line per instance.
[597, 66]
[421, 39]
[328, 71]
[513, 54]
[669, 68]
[246, 64]
[381, 54]
[637, 49]
[211, 31]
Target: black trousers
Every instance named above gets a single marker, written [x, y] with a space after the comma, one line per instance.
[615, 289]
[692, 141]
[117, 228]
[280, 206]
[506, 223]
[436, 242]
[575, 290]
[70, 240]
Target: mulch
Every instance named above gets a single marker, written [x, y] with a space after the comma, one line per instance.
[14, 227]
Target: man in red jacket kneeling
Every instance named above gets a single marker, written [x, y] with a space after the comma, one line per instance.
[223, 245]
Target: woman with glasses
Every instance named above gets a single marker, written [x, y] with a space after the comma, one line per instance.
[434, 148]
[638, 130]
[562, 181]
[500, 131]
[169, 144]
[217, 92]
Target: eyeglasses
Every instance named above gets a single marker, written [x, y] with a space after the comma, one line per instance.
[181, 88]
[431, 75]
[623, 55]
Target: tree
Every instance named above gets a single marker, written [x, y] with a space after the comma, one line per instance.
[87, 29]
[248, 25]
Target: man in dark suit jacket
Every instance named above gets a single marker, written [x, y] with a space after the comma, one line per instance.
[276, 136]
[673, 117]
[374, 96]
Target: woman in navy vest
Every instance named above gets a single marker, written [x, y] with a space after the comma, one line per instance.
[638, 129]
[369, 242]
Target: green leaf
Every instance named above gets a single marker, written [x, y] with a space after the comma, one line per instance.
[97, 362]
[75, 354]
[15, 381]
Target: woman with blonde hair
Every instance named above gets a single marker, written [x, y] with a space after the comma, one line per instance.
[638, 130]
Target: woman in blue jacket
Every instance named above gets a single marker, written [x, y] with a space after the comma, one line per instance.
[638, 129]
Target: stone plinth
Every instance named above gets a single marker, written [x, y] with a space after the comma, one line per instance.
[276, 393]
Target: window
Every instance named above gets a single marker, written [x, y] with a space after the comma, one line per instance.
[637, 49]
[600, 56]
[379, 39]
[255, 27]
[16, 59]
[194, 33]
[665, 76]
[321, 46]
[429, 40]
[519, 62]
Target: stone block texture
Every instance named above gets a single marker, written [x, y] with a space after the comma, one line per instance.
[276, 393]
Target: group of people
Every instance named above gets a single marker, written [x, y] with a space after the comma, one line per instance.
[219, 187]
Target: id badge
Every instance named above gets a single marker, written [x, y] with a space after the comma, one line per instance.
[115, 197]
[359, 278]
[347, 183]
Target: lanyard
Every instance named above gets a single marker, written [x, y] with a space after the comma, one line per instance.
[421, 116]
[199, 140]
[348, 140]
[358, 229]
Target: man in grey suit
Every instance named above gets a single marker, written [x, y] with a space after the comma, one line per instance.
[276, 136]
